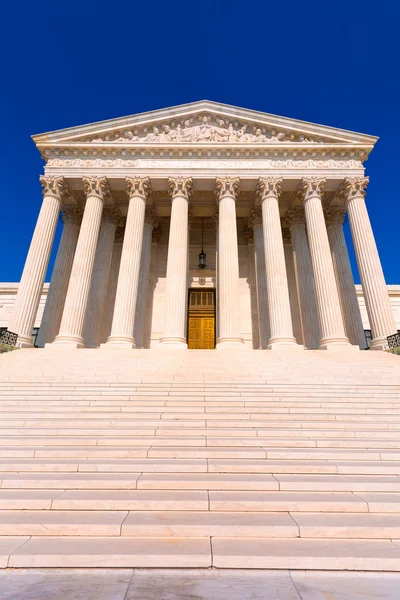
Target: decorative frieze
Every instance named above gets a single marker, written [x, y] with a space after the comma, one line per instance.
[217, 160]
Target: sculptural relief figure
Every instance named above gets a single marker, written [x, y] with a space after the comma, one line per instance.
[154, 136]
[277, 138]
[221, 133]
[187, 132]
[205, 133]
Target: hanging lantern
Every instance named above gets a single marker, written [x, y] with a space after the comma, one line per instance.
[202, 255]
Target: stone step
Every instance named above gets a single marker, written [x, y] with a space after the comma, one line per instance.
[231, 552]
[344, 467]
[146, 524]
[347, 526]
[183, 499]
[363, 555]
[198, 465]
[81, 552]
[338, 483]
[157, 481]
[289, 501]
[64, 481]
[61, 523]
[112, 439]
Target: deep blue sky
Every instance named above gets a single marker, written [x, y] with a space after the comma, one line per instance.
[70, 63]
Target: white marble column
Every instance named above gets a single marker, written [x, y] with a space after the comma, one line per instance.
[180, 190]
[101, 272]
[268, 191]
[380, 313]
[228, 263]
[255, 221]
[55, 191]
[215, 219]
[151, 287]
[97, 191]
[51, 319]
[128, 278]
[344, 277]
[304, 277]
[292, 286]
[112, 285]
[329, 312]
[252, 283]
[142, 305]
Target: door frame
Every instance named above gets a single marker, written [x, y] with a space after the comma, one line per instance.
[198, 289]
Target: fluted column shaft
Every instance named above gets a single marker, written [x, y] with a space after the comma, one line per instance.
[101, 273]
[51, 319]
[329, 312]
[380, 313]
[142, 305]
[37, 260]
[150, 288]
[280, 319]
[293, 296]
[112, 286]
[128, 278]
[177, 265]
[228, 264]
[261, 278]
[304, 282]
[252, 282]
[345, 282]
[96, 190]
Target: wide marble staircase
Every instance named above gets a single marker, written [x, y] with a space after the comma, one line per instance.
[235, 459]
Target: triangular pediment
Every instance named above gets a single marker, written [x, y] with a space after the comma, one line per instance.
[203, 123]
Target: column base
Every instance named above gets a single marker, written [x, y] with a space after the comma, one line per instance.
[25, 341]
[173, 342]
[337, 345]
[70, 341]
[379, 343]
[229, 342]
[127, 342]
[278, 343]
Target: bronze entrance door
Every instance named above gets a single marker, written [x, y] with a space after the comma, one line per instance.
[201, 325]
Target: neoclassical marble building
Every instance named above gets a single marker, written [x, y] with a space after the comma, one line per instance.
[263, 197]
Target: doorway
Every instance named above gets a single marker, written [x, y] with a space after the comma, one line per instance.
[201, 320]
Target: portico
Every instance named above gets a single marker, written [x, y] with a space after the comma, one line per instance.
[267, 194]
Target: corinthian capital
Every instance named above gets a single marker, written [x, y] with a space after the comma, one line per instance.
[334, 215]
[255, 216]
[268, 187]
[310, 187]
[138, 186]
[96, 186]
[295, 215]
[226, 186]
[355, 186]
[180, 186]
[55, 186]
[111, 214]
[70, 213]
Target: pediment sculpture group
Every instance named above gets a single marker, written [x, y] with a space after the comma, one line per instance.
[204, 132]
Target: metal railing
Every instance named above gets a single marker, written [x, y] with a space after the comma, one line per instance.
[394, 340]
[8, 337]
